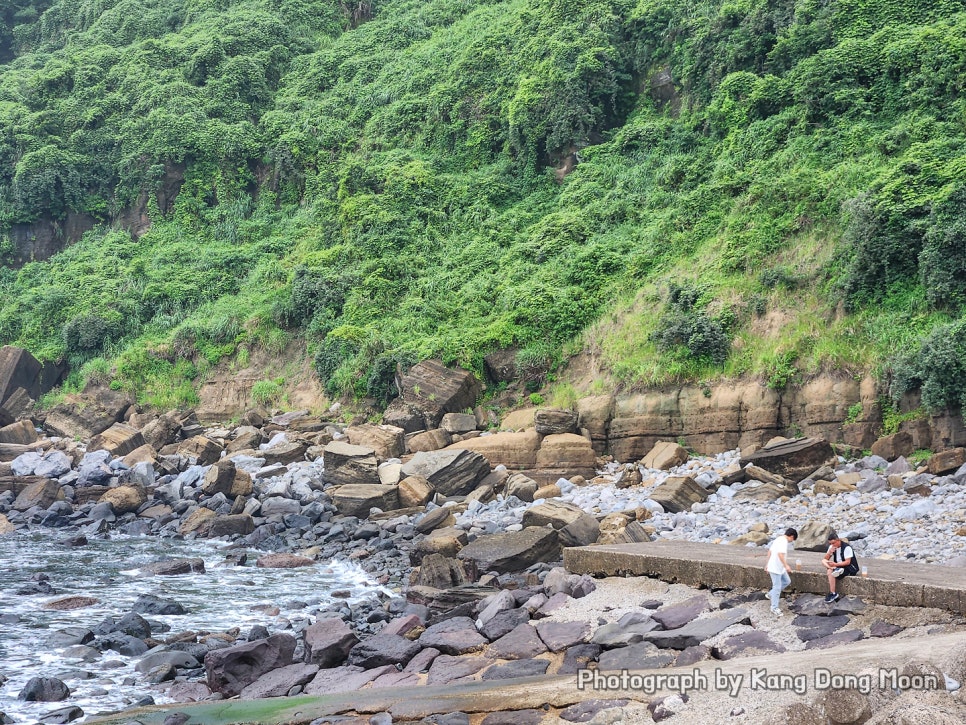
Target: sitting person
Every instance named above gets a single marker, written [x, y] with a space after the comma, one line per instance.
[839, 561]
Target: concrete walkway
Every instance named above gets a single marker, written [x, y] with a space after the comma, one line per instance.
[892, 583]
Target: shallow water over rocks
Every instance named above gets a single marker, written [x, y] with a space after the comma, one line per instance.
[225, 596]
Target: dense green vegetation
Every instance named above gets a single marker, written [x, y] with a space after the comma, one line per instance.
[769, 187]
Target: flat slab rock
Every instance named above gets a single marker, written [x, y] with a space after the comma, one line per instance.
[813, 627]
[834, 640]
[677, 615]
[277, 683]
[586, 710]
[344, 679]
[747, 643]
[447, 668]
[697, 631]
[454, 636]
[513, 550]
[514, 717]
[522, 642]
[558, 636]
[641, 656]
[517, 668]
[814, 604]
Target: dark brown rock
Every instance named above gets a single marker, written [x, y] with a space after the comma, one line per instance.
[231, 525]
[387, 441]
[454, 636]
[86, 415]
[434, 389]
[278, 683]
[383, 649]
[174, 567]
[232, 669]
[283, 561]
[559, 636]
[328, 642]
[522, 642]
[40, 493]
[946, 461]
[550, 421]
[894, 446]
[440, 572]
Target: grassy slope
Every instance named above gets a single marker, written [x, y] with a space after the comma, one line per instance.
[385, 189]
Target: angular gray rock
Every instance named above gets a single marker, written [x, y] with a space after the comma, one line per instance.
[44, 689]
[452, 471]
[559, 636]
[522, 642]
[697, 631]
[641, 656]
[383, 649]
[511, 551]
[677, 615]
[446, 668]
[746, 644]
[454, 636]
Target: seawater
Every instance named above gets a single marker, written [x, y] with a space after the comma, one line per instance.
[224, 597]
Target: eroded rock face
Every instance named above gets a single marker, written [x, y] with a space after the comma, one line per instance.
[512, 551]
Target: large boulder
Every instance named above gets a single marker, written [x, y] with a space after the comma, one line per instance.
[894, 446]
[679, 493]
[118, 440]
[20, 433]
[452, 471]
[42, 493]
[345, 464]
[328, 642]
[665, 455]
[593, 415]
[550, 421]
[511, 551]
[946, 461]
[278, 683]
[556, 513]
[125, 499]
[19, 369]
[516, 451]
[357, 499]
[163, 430]
[232, 669]
[793, 459]
[84, 416]
[435, 390]
[564, 455]
[204, 450]
[387, 441]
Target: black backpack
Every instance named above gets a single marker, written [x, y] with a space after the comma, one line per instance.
[853, 567]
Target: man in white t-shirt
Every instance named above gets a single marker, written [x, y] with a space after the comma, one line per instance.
[778, 567]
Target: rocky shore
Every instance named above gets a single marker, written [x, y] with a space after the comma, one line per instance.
[464, 528]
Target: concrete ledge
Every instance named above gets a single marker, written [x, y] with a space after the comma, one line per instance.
[893, 583]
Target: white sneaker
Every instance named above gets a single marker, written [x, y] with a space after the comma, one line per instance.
[776, 611]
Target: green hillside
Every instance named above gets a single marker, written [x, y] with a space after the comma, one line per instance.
[686, 190]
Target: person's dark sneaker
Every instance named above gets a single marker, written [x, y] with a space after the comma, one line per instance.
[829, 598]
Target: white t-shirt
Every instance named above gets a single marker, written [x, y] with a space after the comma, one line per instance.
[778, 546]
[839, 555]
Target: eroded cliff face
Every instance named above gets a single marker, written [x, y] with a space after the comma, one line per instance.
[43, 238]
[707, 420]
[743, 413]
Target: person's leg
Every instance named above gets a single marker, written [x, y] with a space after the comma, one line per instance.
[831, 581]
[776, 589]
